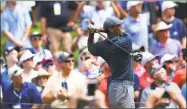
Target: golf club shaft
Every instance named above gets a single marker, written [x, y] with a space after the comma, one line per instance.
[113, 43]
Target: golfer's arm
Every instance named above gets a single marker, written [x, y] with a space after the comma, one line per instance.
[90, 39]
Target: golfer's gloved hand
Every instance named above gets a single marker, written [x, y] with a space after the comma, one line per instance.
[137, 57]
[92, 29]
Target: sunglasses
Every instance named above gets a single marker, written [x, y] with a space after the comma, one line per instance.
[68, 61]
[170, 62]
[29, 59]
[48, 64]
[36, 38]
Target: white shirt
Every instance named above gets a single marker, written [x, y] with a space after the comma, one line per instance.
[75, 80]
[29, 77]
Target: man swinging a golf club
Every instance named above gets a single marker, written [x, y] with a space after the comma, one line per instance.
[116, 51]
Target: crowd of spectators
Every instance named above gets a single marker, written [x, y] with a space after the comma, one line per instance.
[38, 69]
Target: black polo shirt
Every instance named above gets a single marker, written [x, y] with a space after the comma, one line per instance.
[119, 61]
[47, 11]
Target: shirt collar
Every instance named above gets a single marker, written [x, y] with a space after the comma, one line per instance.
[133, 19]
[161, 45]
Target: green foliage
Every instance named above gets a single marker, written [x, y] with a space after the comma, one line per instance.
[38, 29]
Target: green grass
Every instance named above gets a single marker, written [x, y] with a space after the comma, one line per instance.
[3, 41]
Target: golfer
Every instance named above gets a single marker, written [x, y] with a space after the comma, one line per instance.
[121, 91]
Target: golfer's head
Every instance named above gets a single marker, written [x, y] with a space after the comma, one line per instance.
[113, 25]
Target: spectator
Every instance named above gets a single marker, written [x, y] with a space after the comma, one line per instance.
[104, 83]
[169, 64]
[65, 83]
[1, 96]
[97, 14]
[156, 100]
[79, 95]
[48, 64]
[136, 89]
[11, 57]
[20, 92]
[164, 43]
[147, 62]
[26, 62]
[16, 25]
[36, 40]
[80, 41]
[2, 65]
[88, 68]
[159, 75]
[180, 75]
[57, 22]
[41, 80]
[184, 91]
[177, 31]
[135, 24]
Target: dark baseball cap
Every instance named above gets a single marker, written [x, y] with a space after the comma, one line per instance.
[64, 56]
[10, 49]
[111, 21]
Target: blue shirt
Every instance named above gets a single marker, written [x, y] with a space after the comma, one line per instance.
[138, 30]
[5, 80]
[28, 94]
[43, 53]
[15, 21]
[172, 47]
[184, 91]
[119, 61]
[177, 31]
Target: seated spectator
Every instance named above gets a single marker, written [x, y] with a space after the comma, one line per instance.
[36, 41]
[164, 42]
[160, 81]
[26, 62]
[148, 61]
[104, 83]
[177, 31]
[21, 92]
[57, 95]
[180, 75]
[88, 68]
[48, 65]
[156, 100]
[41, 80]
[79, 95]
[11, 58]
[184, 91]
[169, 64]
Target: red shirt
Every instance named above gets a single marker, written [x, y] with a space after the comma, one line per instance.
[145, 80]
[180, 77]
[103, 87]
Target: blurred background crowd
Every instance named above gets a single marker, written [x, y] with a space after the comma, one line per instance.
[49, 65]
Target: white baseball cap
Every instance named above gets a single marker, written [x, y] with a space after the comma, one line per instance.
[168, 4]
[132, 3]
[14, 71]
[26, 55]
[168, 57]
[162, 26]
[147, 57]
